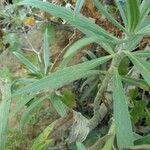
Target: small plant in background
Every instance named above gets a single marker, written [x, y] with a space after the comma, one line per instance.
[124, 73]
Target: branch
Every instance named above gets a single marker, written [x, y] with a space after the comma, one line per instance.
[101, 110]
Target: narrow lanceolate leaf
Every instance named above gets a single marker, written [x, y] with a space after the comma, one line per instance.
[144, 10]
[78, 6]
[102, 9]
[142, 53]
[76, 47]
[133, 14]
[4, 112]
[46, 50]
[144, 31]
[60, 107]
[63, 76]
[142, 66]
[21, 102]
[121, 114]
[77, 20]
[42, 141]
[27, 115]
[134, 41]
[26, 62]
[121, 6]
[142, 140]
[137, 82]
[109, 143]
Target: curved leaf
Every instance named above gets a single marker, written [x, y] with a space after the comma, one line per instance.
[74, 48]
[142, 66]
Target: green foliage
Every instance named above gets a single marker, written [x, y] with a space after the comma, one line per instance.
[80, 146]
[77, 20]
[63, 76]
[124, 131]
[26, 62]
[110, 18]
[102, 74]
[68, 99]
[5, 89]
[58, 104]
[138, 111]
[13, 40]
[133, 14]
[142, 67]
[27, 115]
[46, 51]
[143, 140]
[78, 6]
[42, 141]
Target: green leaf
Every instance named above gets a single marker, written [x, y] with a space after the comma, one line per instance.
[75, 48]
[88, 91]
[68, 99]
[121, 7]
[142, 53]
[142, 66]
[26, 62]
[42, 140]
[121, 114]
[78, 6]
[109, 143]
[143, 140]
[133, 42]
[4, 111]
[80, 146]
[137, 82]
[102, 9]
[27, 115]
[124, 66]
[144, 10]
[133, 14]
[58, 104]
[144, 31]
[138, 110]
[46, 50]
[63, 76]
[23, 100]
[78, 20]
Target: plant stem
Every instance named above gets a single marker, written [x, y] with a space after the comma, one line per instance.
[101, 110]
